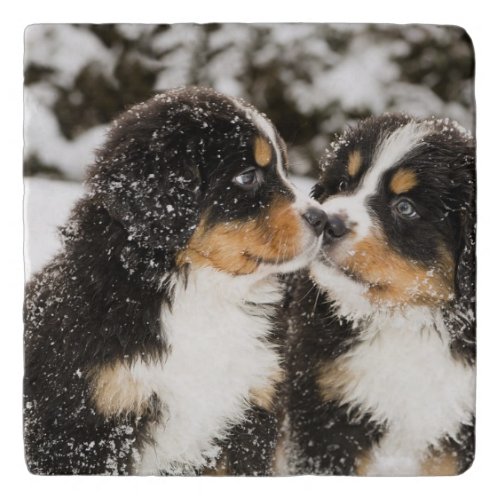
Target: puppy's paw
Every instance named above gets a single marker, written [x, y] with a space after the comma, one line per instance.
[115, 390]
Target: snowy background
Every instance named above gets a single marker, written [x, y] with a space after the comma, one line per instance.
[311, 79]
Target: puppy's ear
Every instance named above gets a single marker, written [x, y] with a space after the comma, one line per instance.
[465, 194]
[147, 177]
[460, 316]
[466, 258]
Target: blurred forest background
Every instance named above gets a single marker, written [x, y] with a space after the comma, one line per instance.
[310, 79]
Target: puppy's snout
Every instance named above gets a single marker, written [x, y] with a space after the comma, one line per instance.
[316, 218]
[335, 228]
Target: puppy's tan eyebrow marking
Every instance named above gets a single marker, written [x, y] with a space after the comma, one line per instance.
[354, 163]
[403, 180]
[262, 152]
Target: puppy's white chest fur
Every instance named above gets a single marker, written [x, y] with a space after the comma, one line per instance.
[219, 352]
[404, 375]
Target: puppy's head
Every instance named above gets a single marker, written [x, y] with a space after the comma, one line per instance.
[399, 196]
[201, 178]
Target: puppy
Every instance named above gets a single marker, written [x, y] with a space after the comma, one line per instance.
[382, 353]
[148, 338]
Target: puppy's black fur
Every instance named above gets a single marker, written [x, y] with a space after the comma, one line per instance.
[167, 164]
[327, 435]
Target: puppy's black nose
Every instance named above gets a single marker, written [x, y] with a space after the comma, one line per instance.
[335, 229]
[316, 218]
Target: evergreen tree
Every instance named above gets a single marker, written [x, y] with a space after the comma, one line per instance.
[311, 79]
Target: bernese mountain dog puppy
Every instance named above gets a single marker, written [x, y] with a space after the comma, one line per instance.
[148, 343]
[381, 358]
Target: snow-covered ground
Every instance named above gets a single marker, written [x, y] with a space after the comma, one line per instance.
[47, 205]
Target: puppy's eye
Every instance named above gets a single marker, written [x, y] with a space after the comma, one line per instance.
[406, 209]
[248, 179]
[342, 186]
